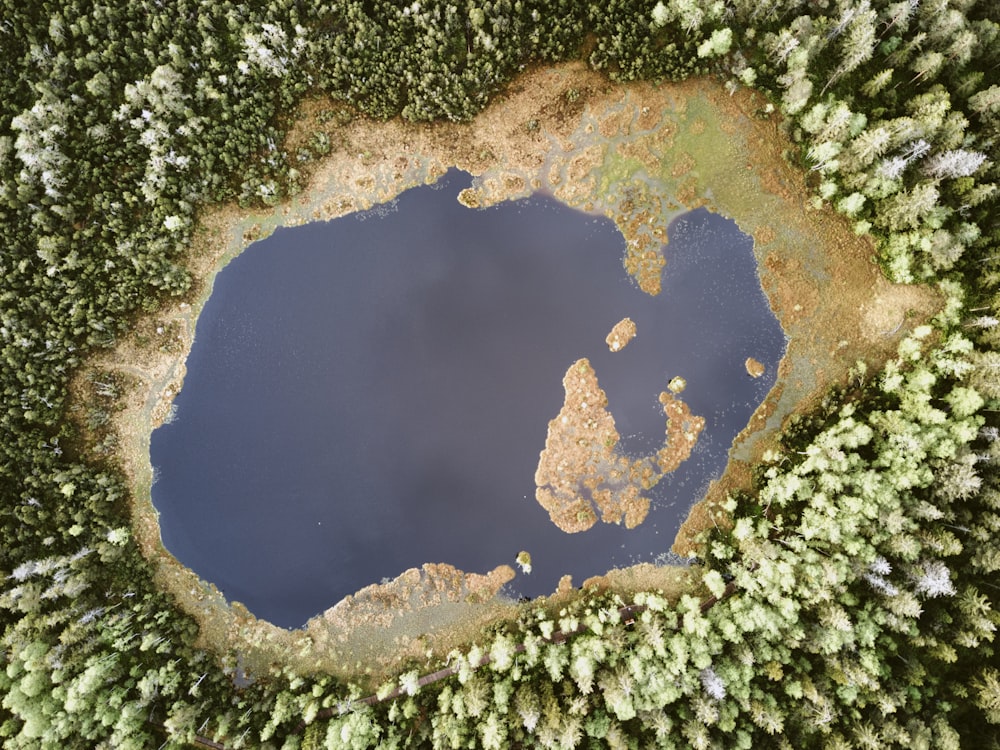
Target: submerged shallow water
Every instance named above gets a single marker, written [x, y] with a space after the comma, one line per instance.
[370, 394]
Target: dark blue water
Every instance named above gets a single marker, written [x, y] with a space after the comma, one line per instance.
[371, 394]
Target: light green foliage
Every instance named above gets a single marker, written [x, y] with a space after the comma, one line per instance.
[356, 731]
[661, 15]
[713, 581]
[408, 681]
[502, 653]
[717, 44]
[987, 687]
[851, 204]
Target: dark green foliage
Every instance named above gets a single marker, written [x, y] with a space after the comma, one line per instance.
[634, 40]
[853, 602]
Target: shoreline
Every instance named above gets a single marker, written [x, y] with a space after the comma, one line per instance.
[641, 154]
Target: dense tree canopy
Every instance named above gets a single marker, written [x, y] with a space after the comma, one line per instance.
[854, 590]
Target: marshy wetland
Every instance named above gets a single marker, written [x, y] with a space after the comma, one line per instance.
[640, 155]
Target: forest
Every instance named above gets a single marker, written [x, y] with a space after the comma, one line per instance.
[853, 592]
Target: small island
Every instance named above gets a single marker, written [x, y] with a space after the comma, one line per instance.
[623, 332]
[581, 473]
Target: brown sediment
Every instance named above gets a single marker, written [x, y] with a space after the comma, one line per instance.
[687, 193]
[753, 367]
[683, 164]
[764, 235]
[582, 476]
[615, 123]
[622, 333]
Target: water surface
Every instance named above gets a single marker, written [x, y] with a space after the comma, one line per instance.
[370, 394]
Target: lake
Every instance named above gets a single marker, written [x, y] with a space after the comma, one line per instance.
[372, 393]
